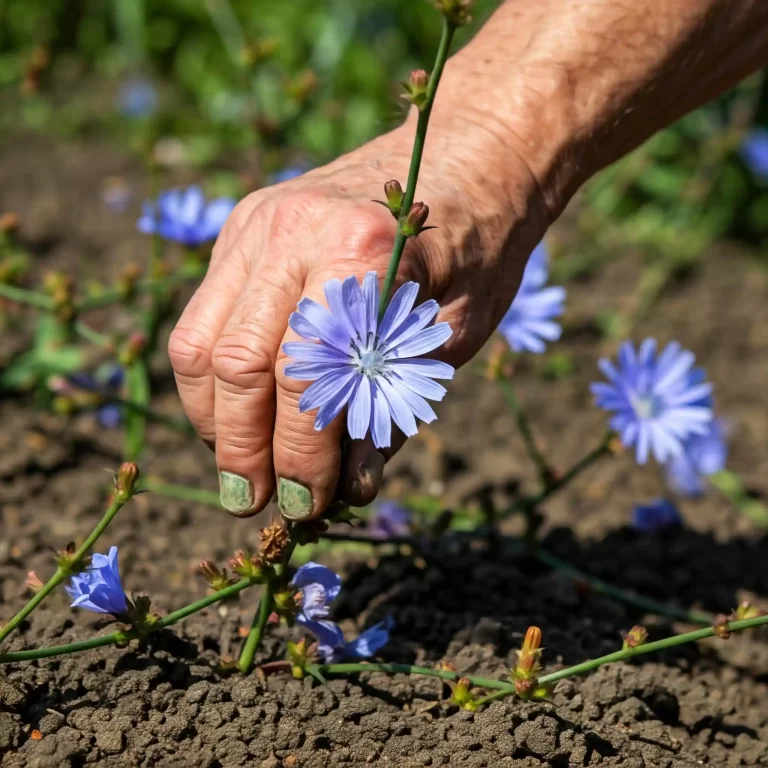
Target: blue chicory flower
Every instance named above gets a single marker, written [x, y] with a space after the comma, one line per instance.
[655, 516]
[754, 151]
[319, 587]
[390, 520]
[702, 455]
[184, 216]
[137, 98]
[107, 381]
[659, 402]
[370, 365]
[529, 321]
[98, 588]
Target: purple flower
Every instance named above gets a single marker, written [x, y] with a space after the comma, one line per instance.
[98, 588]
[184, 216]
[365, 645]
[137, 97]
[370, 365]
[529, 321]
[655, 516]
[659, 403]
[702, 455]
[390, 520]
[754, 151]
[319, 587]
[106, 383]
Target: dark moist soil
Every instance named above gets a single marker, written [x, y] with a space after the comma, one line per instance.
[165, 704]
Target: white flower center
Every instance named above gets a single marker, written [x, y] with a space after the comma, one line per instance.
[368, 358]
[646, 406]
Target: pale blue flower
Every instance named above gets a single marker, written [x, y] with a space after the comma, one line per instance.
[754, 151]
[107, 382]
[185, 216]
[655, 516]
[659, 402]
[137, 97]
[529, 321]
[98, 588]
[702, 455]
[365, 645]
[374, 367]
[390, 520]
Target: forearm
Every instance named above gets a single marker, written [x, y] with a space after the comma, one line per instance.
[572, 85]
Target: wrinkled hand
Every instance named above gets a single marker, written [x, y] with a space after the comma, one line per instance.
[282, 244]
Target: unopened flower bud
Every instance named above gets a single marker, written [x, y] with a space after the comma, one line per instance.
[132, 349]
[245, 565]
[299, 655]
[215, 576]
[65, 559]
[720, 626]
[416, 88]
[636, 637]
[126, 283]
[462, 695]
[125, 480]
[33, 582]
[60, 287]
[414, 221]
[526, 671]
[457, 12]
[394, 194]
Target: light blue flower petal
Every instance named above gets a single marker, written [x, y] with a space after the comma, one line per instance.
[424, 341]
[398, 309]
[330, 410]
[420, 407]
[420, 318]
[381, 424]
[371, 294]
[359, 412]
[326, 389]
[402, 415]
[313, 572]
[354, 303]
[435, 369]
[330, 330]
[421, 385]
[311, 371]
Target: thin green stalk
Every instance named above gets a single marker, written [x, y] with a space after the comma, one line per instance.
[657, 645]
[62, 573]
[259, 624]
[416, 155]
[24, 296]
[524, 426]
[182, 492]
[123, 637]
[604, 588]
[94, 337]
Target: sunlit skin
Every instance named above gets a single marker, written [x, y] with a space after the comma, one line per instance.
[546, 94]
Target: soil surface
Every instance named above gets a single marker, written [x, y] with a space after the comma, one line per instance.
[167, 703]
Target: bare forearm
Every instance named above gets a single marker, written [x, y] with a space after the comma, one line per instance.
[571, 85]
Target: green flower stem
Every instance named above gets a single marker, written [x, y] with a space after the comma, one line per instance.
[62, 573]
[524, 426]
[416, 155]
[119, 638]
[657, 645]
[604, 588]
[94, 337]
[410, 669]
[253, 641]
[732, 487]
[24, 296]
[183, 492]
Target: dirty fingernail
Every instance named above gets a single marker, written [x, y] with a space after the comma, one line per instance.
[294, 499]
[236, 493]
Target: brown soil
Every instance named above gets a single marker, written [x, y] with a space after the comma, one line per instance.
[165, 704]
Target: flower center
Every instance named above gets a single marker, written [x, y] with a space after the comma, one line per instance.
[368, 358]
[647, 406]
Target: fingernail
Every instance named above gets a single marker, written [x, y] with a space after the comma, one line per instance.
[293, 499]
[236, 493]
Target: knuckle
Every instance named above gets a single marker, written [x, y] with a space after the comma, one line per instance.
[189, 350]
[297, 211]
[241, 362]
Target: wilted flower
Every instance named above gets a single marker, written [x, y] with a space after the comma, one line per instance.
[370, 365]
[529, 321]
[184, 216]
[319, 587]
[137, 97]
[659, 402]
[390, 520]
[98, 588]
[702, 455]
[655, 516]
[754, 151]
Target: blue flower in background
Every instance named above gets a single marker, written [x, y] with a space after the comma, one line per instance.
[319, 587]
[659, 402]
[754, 151]
[390, 520]
[286, 174]
[702, 455]
[185, 216]
[655, 516]
[107, 382]
[370, 365]
[529, 321]
[98, 588]
[137, 98]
